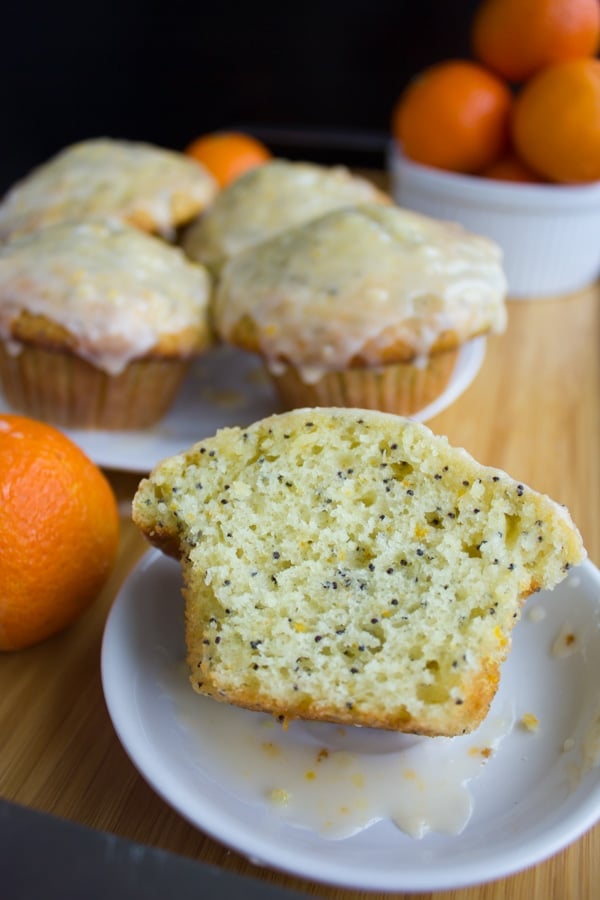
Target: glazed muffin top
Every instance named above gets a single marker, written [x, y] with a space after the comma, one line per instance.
[103, 290]
[149, 187]
[361, 286]
[268, 199]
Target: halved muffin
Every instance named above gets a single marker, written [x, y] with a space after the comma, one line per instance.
[350, 566]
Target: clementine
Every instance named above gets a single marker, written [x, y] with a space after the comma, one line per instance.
[59, 529]
[511, 168]
[556, 121]
[455, 116]
[516, 38]
[228, 154]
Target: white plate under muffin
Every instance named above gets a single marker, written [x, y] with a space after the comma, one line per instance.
[225, 387]
[535, 793]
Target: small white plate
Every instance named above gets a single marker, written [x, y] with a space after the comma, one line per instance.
[226, 387]
[538, 792]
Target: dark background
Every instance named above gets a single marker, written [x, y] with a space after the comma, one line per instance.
[314, 79]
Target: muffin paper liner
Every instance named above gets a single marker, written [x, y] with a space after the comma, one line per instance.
[401, 388]
[64, 389]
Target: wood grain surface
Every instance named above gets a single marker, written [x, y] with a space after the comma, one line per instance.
[534, 410]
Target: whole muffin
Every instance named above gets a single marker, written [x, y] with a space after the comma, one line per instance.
[99, 324]
[270, 199]
[365, 306]
[154, 189]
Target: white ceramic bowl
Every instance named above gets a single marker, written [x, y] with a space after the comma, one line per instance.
[549, 234]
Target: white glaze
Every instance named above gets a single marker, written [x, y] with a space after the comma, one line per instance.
[103, 177]
[310, 290]
[267, 200]
[536, 614]
[566, 642]
[337, 781]
[114, 288]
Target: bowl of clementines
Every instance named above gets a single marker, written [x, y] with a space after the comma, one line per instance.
[508, 143]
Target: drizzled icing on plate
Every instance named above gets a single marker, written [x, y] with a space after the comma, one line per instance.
[536, 793]
[337, 781]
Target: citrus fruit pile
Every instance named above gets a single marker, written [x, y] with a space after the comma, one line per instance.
[59, 530]
[525, 108]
